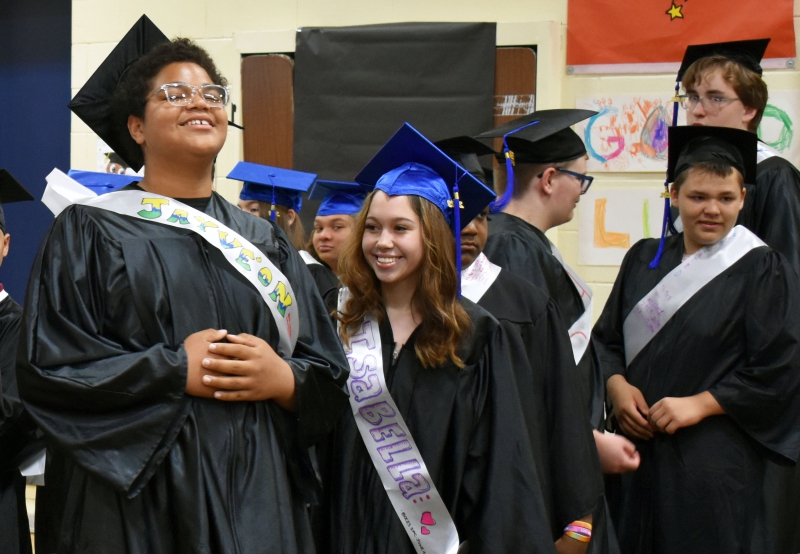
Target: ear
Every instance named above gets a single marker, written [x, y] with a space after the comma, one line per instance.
[749, 114]
[741, 201]
[673, 196]
[546, 181]
[6, 243]
[291, 215]
[136, 128]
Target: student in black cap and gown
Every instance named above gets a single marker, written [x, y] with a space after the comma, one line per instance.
[701, 358]
[556, 413]
[724, 87]
[457, 465]
[175, 351]
[17, 431]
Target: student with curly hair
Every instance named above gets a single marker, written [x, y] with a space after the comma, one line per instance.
[175, 351]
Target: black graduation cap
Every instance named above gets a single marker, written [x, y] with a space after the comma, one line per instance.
[93, 102]
[746, 52]
[690, 145]
[10, 191]
[465, 150]
[540, 137]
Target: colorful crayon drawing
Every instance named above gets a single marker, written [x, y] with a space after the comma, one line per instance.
[777, 125]
[610, 220]
[629, 133]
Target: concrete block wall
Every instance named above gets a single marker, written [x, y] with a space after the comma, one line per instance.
[235, 27]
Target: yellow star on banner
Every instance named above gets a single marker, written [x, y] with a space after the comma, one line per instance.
[675, 12]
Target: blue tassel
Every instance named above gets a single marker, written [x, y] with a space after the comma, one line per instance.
[667, 224]
[457, 232]
[499, 204]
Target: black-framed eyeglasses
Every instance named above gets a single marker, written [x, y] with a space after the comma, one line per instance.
[586, 180]
[182, 94]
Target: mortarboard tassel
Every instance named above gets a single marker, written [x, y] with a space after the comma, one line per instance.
[272, 204]
[668, 224]
[503, 201]
[457, 228]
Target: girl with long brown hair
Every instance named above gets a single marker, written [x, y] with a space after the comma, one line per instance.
[429, 365]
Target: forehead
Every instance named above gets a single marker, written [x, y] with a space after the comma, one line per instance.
[701, 181]
[711, 79]
[333, 218]
[384, 206]
[182, 72]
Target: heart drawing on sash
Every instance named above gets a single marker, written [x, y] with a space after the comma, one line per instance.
[427, 519]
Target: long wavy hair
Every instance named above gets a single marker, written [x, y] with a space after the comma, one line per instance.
[295, 231]
[444, 320]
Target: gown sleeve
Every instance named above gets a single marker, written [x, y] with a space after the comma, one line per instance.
[502, 509]
[86, 373]
[763, 396]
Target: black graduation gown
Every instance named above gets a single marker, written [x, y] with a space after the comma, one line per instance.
[772, 208]
[564, 447]
[325, 279]
[469, 428]
[519, 247]
[17, 438]
[700, 490]
[135, 465]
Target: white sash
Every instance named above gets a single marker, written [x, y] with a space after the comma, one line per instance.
[658, 306]
[248, 260]
[478, 277]
[308, 258]
[581, 330]
[389, 442]
[765, 151]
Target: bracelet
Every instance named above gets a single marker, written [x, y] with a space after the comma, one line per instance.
[579, 530]
[577, 537]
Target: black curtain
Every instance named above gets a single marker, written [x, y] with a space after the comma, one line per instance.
[355, 86]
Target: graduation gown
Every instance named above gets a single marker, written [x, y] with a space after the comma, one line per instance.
[700, 489]
[135, 465]
[519, 247]
[325, 279]
[564, 447]
[772, 207]
[470, 431]
[17, 438]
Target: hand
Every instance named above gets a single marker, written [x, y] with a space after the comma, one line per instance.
[630, 408]
[196, 346]
[617, 454]
[248, 369]
[670, 414]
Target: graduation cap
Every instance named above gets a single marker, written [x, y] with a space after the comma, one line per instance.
[691, 145]
[338, 197]
[410, 164]
[93, 102]
[102, 183]
[10, 191]
[465, 150]
[745, 52]
[272, 184]
[542, 137]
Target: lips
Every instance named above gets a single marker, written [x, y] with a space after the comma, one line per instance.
[198, 121]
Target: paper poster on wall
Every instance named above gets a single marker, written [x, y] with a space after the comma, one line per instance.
[109, 161]
[611, 220]
[778, 124]
[629, 133]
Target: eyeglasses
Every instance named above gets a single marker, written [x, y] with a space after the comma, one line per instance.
[182, 94]
[711, 104]
[586, 180]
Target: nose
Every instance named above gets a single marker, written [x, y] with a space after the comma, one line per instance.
[198, 100]
[712, 207]
[385, 240]
[323, 234]
[470, 230]
[698, 108]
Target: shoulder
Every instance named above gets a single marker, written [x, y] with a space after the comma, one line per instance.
[512, 298]
[775, 168]
[483, 327]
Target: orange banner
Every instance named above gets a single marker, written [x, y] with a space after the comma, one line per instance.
[640, 33]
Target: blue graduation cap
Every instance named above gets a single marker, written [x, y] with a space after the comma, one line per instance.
[410, 164]
[338, 197]
[275, 185]
[102, 183]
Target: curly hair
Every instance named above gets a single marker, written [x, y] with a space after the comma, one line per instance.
[748, 85]
[444, 320]
[135, 85]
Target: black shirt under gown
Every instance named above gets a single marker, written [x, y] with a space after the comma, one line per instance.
[564, 447]
[17, 438]
[468, 425]
[134, 463]
[700, 489]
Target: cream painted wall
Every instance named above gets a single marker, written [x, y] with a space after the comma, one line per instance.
[228, 29]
